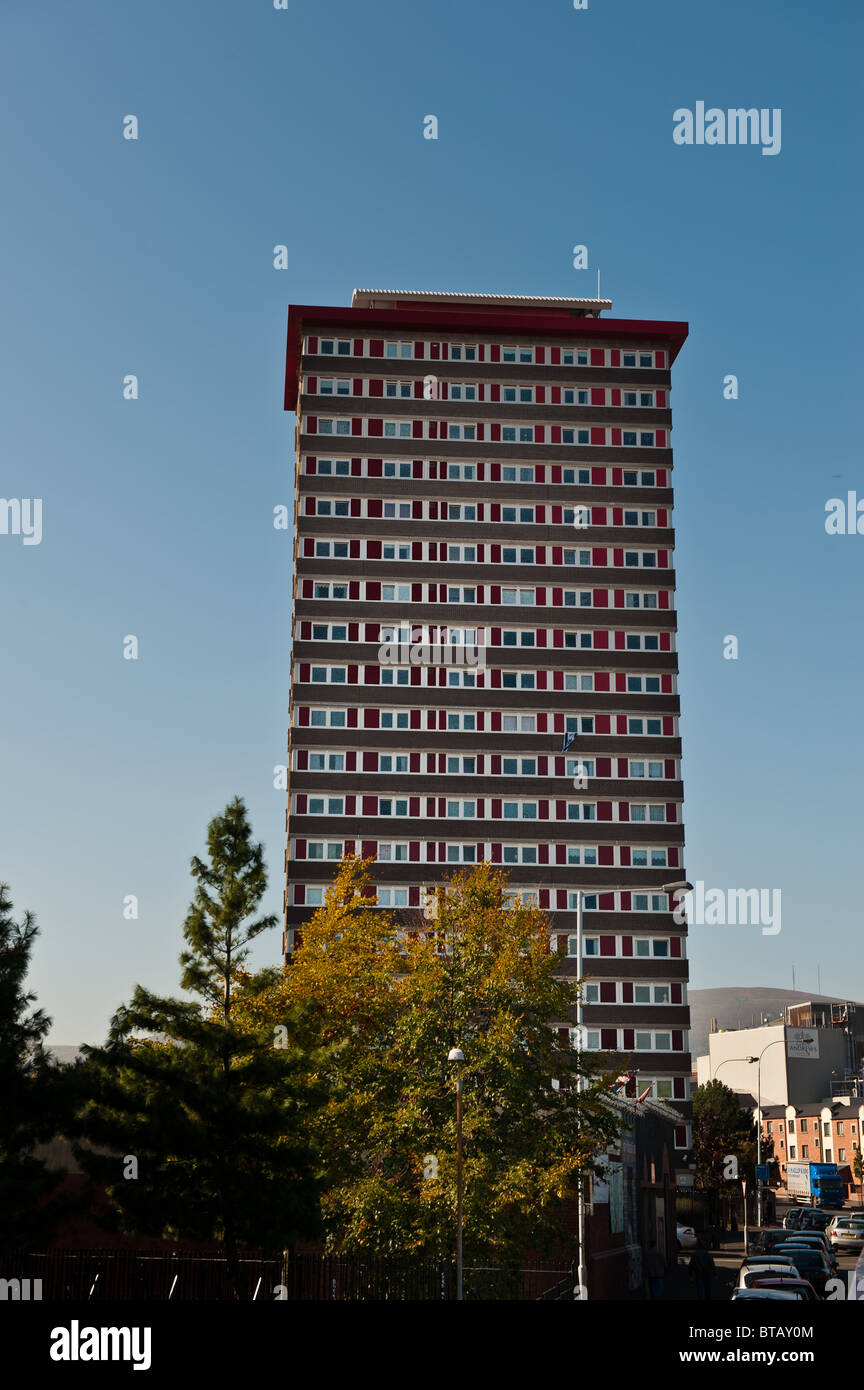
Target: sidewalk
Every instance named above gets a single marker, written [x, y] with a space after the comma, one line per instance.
[679, 1288]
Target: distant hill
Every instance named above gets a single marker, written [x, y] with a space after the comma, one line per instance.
[741, 1006]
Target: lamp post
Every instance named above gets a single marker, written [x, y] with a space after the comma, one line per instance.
[456, 1056]
[758, 1061]
[582, 1275]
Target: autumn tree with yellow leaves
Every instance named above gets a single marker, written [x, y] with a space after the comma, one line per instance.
[383, 1005]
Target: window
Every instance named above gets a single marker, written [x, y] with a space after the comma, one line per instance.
[341, 347]
[326, 762]
[398, 349]
[512, 354]
[590, 945]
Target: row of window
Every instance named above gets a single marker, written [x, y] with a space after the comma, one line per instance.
[411, 851]
[826, 1157]
[624, 947]
[541, 596]
[494, 513]
[462, 678]
[483, 765]
[802, 1124]
[607, 947]
[431, 389]
[626, 992]
[484, 808]
[485, 721]
[543, 639]
[426, 552]
[666, 1088]
[655, 948]
[484, 431]
[625, 1040]
[532, 354]
[439, 470]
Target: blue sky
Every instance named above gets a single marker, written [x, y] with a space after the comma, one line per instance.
[154, 257]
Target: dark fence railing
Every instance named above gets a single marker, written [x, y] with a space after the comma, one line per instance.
[146, 1276]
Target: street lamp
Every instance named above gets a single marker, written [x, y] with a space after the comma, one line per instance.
[582, 1275]
[758, 1061]
[679, 888]
[456, 1056]
[725, 1063]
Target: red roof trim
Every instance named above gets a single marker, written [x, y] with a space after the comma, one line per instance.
[558, 323]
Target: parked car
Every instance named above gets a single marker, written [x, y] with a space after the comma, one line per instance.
[768, 1295]
[814, 1219]
[782, 1281]
[767, 1239]
[847, 1232]
[687, 1237]
[783, 1264]
[814, 1240]
[811, 1264]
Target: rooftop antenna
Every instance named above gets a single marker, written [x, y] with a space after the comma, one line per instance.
[598, 282]
[793, 977]
[818, 979]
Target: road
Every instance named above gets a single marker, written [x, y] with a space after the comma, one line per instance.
[727, 1261]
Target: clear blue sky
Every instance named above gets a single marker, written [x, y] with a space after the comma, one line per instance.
[154, 257]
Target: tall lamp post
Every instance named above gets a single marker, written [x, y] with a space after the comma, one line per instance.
[582, 1275]
[758, 1061]
[456, 1056]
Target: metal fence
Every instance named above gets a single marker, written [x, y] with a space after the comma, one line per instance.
[146, 1276]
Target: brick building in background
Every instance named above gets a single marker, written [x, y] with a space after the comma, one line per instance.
[500, 467]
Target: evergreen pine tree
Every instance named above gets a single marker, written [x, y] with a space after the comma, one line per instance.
[203, 1121]
[31, 1092]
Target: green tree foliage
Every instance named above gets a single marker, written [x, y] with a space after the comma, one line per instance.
[390, 1007]
[722, 1129]
[202, 1124]
[32, 1094]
